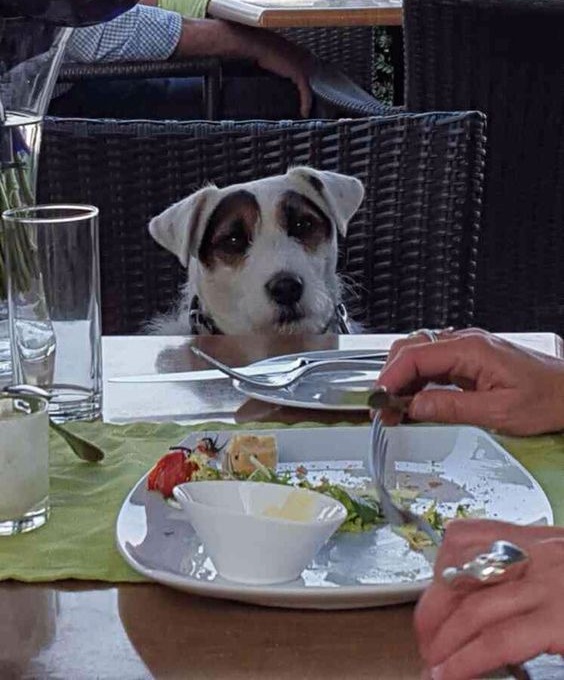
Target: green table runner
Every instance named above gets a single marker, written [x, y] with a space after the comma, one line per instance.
[78, 541]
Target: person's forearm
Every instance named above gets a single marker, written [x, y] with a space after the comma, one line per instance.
[214, 38]
[270, 51]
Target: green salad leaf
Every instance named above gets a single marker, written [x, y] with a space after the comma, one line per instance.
[363, 509]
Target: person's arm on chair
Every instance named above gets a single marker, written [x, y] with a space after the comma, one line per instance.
[148, 32]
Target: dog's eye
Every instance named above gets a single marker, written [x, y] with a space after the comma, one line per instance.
[235, 241]
[300, 226]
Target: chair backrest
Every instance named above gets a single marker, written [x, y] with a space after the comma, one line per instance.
[505, 58]
[350, 48]
[410, 252]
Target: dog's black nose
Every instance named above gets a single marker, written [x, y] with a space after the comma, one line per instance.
[285, 289]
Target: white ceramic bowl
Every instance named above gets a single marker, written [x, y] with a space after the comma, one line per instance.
[249, 546]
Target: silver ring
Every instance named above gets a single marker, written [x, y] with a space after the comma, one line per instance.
[432, 336]
[503, 560]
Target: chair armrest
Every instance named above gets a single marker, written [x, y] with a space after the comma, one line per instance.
[335, 96]
[198, 66]
[208, 68]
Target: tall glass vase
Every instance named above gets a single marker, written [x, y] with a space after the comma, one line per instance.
[30, 57]
[33, 35]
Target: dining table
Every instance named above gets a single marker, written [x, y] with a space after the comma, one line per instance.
[308, 13]
[94, 625]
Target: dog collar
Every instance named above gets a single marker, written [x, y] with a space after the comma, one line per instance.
[342, 319]
[200, 321]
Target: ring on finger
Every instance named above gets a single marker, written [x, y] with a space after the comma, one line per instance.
[431, 335]
[503, 561]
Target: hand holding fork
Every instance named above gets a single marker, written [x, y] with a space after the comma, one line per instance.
[503, 557]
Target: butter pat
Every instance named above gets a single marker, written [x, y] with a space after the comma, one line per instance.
[242, 446]
[297, 507]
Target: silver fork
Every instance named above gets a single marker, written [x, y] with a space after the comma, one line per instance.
[276, 382]
[398, 516]
[395, 514]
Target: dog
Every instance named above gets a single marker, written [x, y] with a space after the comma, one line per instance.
[261, 256]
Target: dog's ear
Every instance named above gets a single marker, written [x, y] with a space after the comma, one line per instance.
[342, 194]
[180, 227]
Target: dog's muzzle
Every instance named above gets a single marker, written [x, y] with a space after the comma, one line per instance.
[285, 289]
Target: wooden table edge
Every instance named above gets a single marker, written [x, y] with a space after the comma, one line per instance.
[281, 17]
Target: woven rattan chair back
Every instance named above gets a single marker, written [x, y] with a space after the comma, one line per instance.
[504, 57]
[349, 48]
[408, 259]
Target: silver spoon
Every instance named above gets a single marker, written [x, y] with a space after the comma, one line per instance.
[85, 450]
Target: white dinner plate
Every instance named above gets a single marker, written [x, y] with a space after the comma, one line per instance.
[319, 391]
[374, 568]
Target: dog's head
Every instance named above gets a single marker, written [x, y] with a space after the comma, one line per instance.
[263, 254]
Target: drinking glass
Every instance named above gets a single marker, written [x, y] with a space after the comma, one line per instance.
[24, 464]
[54, 305]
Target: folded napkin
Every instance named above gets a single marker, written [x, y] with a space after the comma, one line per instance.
[79, 539]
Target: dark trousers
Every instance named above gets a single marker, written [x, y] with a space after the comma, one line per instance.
[268, 98]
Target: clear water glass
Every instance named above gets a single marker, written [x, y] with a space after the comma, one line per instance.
[24, 464]
[54, 305]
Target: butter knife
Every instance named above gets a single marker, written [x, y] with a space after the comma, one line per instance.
[275, 368]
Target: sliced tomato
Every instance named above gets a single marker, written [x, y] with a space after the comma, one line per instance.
[191, 467]
[169, 471]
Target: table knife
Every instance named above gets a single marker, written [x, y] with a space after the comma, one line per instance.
[212, 374]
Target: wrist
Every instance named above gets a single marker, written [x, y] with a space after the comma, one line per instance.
[238, 40]
[555, 398]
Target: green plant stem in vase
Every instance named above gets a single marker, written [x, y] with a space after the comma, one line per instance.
[18, 163]
[33, 36]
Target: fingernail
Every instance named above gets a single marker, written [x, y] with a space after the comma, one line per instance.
[437, 673]
[422, 408]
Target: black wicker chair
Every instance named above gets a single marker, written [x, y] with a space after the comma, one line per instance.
[502, 57]
[352, 49]
[411, 250]
[207, 68]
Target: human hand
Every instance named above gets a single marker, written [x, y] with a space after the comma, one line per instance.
[272, 52]
[503, 387]
[463, 634]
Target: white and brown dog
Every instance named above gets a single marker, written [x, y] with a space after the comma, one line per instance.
[261, 256]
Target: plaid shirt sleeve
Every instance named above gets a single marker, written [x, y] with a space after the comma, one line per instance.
[144, 33]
